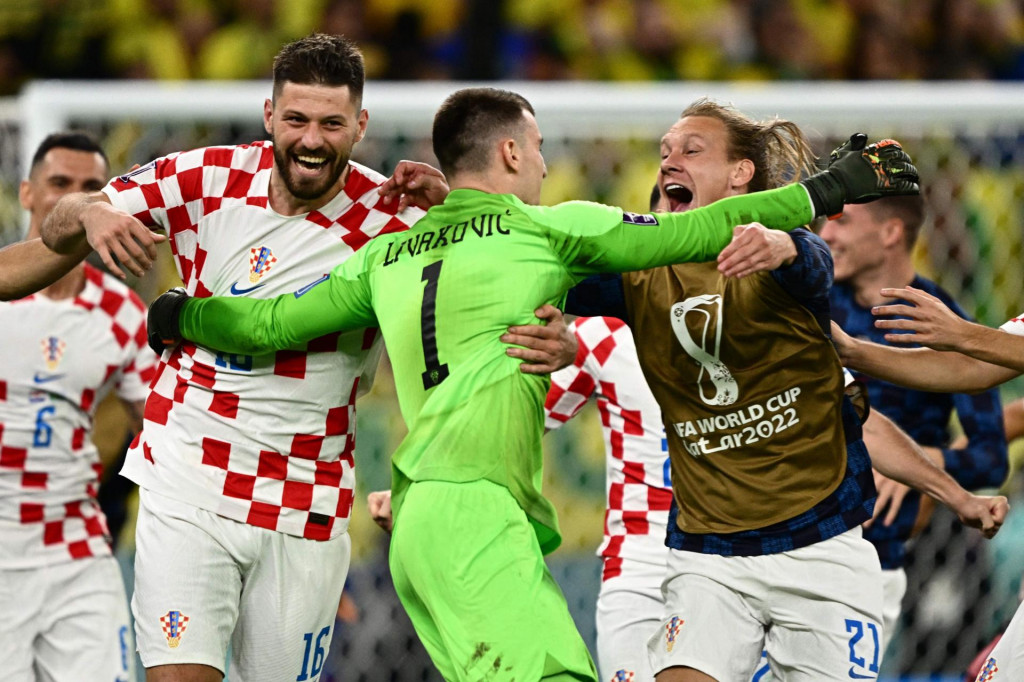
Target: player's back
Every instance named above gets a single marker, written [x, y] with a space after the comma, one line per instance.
[443, 293]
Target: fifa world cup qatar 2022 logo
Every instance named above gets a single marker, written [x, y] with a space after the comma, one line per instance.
[707, 310]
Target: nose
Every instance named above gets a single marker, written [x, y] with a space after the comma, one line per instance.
[312, 137]
[671, 163]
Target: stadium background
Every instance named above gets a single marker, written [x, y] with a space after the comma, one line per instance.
[943, 77]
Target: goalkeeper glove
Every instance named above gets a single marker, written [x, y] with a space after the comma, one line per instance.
[162, 321]
[857, 174]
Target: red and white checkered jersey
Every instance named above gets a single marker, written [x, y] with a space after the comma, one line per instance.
[636, 452]
[266, 440]
[1014, 326]
[59, 359]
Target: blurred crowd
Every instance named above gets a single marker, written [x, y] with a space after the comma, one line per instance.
[520, 39]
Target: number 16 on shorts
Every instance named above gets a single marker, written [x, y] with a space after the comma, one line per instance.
[315, 652]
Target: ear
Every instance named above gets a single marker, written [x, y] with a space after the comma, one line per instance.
[364, 118]
[25, 195]
[893, 232]
[268, 116]
[742, 173]
[510, 154]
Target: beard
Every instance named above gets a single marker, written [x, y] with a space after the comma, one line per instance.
[307, 188]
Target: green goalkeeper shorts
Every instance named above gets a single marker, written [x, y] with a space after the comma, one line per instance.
[470, 573]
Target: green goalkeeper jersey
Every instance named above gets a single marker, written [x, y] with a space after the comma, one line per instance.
[444, 292]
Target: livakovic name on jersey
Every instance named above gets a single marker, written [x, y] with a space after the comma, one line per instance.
[482, 226]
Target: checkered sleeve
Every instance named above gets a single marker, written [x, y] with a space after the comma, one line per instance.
[1014, 326]
[571, 386]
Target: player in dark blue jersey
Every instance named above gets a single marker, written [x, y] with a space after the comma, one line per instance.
[872, 247]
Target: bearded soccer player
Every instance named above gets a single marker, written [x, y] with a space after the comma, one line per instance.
[245, 461]
[64, 348]
[475, 584]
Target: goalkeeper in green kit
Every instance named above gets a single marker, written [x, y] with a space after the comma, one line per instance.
[471, 524]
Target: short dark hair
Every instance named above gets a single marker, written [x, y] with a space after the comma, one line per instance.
[910, 210]
[321, 59]
[469, 121]
[78, 140]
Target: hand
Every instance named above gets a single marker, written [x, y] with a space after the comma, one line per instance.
[983, 512]
[379, 504]
[415, 184]
[857, 174]
[120, 239]
[931, 322]
[843, 342]
[890, 497]
[162, 321]
[755, 248]
[545, 348]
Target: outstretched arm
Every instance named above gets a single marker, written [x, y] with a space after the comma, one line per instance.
[255, 327]
[896, 455]
[923, 369]
[81, 222]
[27, 267]
[931, 323]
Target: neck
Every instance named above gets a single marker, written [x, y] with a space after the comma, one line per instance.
[68, 286]
[866, 286]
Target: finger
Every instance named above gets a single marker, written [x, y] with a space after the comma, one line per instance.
[527, 335]
[111, 264]
[117, 251]
[896, 309]
[547, 312]
[908, 325]
[894, 510]
[537, 368]
[145, 238]
[1000, 509]
[529, 355]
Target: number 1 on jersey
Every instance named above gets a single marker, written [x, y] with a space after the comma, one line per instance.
[436, 372]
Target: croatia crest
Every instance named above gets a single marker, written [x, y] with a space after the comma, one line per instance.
[990, 669]
[624, 676]
[53, 351]
[672, 631]
[174, 624]
[261, 259]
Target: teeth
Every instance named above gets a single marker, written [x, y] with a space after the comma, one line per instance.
[312, 160]
[673, 187]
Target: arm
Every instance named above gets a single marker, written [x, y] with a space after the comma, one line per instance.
[896, 455]
[80, 222]
[921, 368]
[27, 267]
[242, 325]
[931, 323]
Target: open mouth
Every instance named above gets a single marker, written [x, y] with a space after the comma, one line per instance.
[679, 197]
[309, 162]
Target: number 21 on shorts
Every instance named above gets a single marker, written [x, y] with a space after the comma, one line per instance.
[864, 653]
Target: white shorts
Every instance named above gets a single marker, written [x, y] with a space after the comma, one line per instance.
[816, 610]
[1006, 662]
[629, 609]
[894, 586]
[203, 581]
[68, 621]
